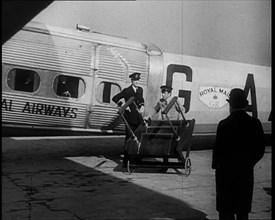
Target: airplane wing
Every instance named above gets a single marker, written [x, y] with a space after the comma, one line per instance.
[16, 14]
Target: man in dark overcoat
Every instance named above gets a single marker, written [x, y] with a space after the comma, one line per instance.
[133, 113]
[239, 146]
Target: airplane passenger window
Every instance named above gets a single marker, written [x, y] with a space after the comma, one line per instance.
[105, 92]
[69, 86]
[23, 80]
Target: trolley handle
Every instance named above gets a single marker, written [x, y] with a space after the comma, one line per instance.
[166, 110]
[182, 115]
[170, 104]
[121, 110]
[144, 122]
[129, 102]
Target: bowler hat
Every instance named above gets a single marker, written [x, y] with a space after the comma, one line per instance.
[237, 98]
[135, 76]
[166, 88]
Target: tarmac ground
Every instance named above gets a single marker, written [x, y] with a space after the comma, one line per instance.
[97, 187]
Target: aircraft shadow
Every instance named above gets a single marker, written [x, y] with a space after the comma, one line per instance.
[66, 189]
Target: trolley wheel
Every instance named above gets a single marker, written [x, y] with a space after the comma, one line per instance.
[130, 170]
[187, 166]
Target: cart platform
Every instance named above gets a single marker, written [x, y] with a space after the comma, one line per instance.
[157, 140]
[164, 139]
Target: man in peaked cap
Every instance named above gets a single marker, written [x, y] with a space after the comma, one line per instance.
[131, 114]
[174, 114]
[166, 89]
[239, 146]
[135, 76]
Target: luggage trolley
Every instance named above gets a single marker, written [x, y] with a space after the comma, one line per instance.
[164, 139]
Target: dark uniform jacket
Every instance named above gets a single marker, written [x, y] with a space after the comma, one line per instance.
[133, 116]
[239, 146]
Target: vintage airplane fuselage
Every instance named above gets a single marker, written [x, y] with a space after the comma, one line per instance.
[59, 81]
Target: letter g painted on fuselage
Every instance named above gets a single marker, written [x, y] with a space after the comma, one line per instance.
[186, 94]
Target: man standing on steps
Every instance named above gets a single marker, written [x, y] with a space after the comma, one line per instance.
[133, 112]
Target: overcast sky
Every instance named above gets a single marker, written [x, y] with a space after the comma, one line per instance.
[227, 30]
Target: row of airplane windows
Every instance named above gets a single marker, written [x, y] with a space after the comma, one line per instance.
[63, 85]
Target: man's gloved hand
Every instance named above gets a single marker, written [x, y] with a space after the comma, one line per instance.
[146, 118]
[141, 110]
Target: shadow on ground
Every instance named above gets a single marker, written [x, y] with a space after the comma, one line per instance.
[63, 189]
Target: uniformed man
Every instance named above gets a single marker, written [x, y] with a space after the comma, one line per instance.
[174, 113]
[133, 112]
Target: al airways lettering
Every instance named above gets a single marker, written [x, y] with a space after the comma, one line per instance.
[7, 105]
[42, 109]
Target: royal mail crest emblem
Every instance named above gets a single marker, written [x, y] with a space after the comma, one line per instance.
[214, 97]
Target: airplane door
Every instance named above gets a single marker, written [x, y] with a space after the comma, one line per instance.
[112, 68]
[109, 77]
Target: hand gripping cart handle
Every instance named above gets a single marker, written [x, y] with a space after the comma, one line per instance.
[167, 109]
[121, 111]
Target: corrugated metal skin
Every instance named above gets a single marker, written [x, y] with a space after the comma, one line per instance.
[106, 118]
[109, 65]
[98, 38]
[48, 52]
[114, 63]
[136, 61]
[18, 116]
